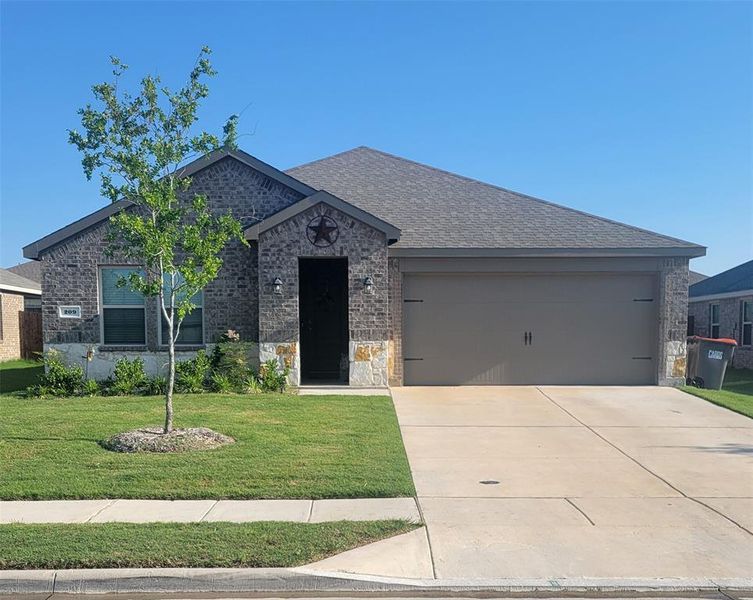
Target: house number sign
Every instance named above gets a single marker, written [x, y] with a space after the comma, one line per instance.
[69, 312]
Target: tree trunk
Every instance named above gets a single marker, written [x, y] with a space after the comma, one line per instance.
[170, 372]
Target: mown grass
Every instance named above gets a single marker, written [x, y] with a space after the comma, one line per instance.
[287, 447]
[17, 375]
[736, 393]
[121, 545]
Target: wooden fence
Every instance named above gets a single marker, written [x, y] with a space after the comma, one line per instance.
[30, 332]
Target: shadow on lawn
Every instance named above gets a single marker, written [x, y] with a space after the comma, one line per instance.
[15, 379]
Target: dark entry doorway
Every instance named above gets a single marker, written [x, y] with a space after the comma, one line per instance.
[323, 312]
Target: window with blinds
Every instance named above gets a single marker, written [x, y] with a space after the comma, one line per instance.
[192, 328]
[123, 311]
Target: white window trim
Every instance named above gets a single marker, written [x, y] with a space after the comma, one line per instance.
[743, 323]
[713, 324]
[102, 307]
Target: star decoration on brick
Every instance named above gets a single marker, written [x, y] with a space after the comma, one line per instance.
[322, 231]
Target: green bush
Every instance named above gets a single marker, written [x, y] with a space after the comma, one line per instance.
[155, 386]
[272, 378]
[58, 379]
[90, 387]
[128, 377]
[221, 383]
[250, 384]
[191, 376]
[230, 358]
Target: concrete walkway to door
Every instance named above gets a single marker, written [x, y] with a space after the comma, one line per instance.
[572, 482]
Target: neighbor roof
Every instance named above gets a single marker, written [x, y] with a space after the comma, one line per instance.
[736, 279]
[11, 282]
[31, 269]
[435, 209]
[695, 277]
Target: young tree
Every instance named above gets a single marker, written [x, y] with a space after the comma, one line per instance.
[137, 144]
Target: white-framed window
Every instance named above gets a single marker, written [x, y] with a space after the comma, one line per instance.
[192, 328]
[714, 321]
[123, 314]
[746, 327]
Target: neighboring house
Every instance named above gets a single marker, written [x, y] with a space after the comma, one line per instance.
[722, 307]
[32, 270]
[20, 333]
[366, 268]
[694, 277]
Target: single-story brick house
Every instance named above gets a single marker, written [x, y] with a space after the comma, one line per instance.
[722, 307]
[370, 269]
[17, 337]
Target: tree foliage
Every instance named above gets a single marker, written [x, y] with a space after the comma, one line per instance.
[138, 144]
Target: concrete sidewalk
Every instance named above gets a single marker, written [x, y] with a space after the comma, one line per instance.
[195, 511]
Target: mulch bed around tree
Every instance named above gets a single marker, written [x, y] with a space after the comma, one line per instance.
[152, 439]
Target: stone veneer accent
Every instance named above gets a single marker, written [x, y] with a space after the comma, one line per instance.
[70, 270]
[730, 325]
[673, 320]
[366, 250]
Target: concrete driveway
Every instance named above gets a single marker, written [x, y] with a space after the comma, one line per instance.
[561, 482]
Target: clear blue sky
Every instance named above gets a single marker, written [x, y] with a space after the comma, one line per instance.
[637, 111]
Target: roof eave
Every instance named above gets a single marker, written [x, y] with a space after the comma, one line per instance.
[20, 290]
[721, 296]
[689, 252]
[33, 250]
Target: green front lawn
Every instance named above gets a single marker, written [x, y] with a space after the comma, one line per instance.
[19, 374]
[736, 393]
[120, 545]
[287, 447]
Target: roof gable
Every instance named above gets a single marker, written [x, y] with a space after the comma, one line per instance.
[438, 211]
[34, 249]
[392, 232]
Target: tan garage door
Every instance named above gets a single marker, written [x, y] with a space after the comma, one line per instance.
[493, 328]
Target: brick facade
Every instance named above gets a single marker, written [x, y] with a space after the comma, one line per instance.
[242, 298]
[11, 305]
[366, 250]
[730, 325]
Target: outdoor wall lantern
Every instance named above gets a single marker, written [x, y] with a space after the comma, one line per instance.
[368, 285]
[277, 286]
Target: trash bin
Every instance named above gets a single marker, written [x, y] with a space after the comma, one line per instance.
[707, 361]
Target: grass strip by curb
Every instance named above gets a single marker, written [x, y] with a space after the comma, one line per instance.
[128, 545]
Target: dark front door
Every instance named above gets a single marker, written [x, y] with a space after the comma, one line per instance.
[323, 310]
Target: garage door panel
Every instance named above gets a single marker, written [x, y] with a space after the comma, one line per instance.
[586, 329]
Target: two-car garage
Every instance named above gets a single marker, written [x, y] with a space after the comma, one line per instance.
[530, 328]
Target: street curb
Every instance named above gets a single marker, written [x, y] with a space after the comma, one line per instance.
[302, 580]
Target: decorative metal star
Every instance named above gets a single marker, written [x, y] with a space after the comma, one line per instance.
[323, 230]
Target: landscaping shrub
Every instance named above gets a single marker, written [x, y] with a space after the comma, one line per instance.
[59, 379]
[128, 377]
[191, 376]
[90, 387]
[272, 378]
[250, 384]
[221, 383]
[231, 358]
[155, 386]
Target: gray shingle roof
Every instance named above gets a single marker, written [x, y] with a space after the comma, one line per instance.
[736, 279]
[31, 269]
[437, 209]
[16, 283]
[695, 277]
